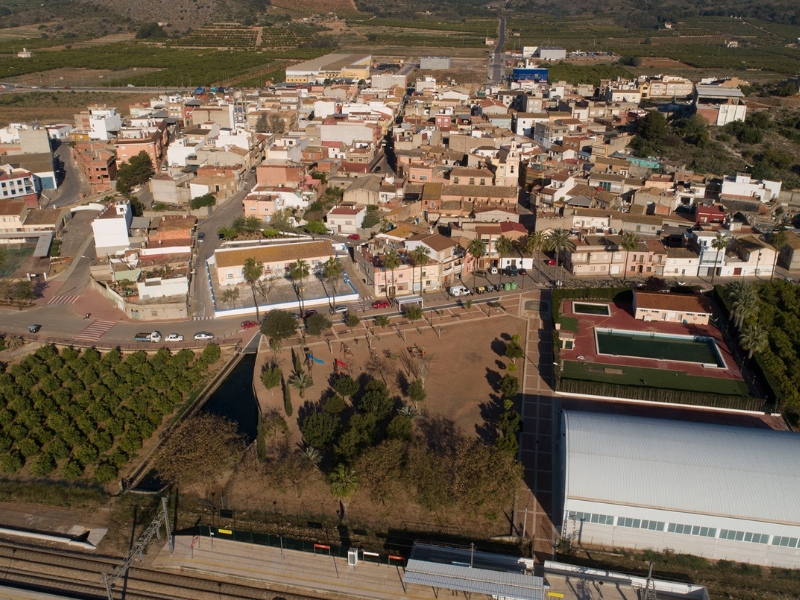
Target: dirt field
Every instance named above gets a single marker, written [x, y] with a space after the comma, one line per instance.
[464, 370]
[658, 62]
[47, 106]
[78, 77]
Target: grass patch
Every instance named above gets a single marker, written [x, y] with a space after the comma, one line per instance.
[14, 259]
[52, 494]
[653, 378]
[568, 324]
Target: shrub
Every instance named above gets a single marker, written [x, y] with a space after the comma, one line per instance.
[11, 462]
[72, 470]
[414, 313]
[118, 458]
[204, 200]
[105, 473]
[43, 465]
[87, 454]
[382, 321]
[58, 449]
[211, 353]
[28, 447]
[287, 400]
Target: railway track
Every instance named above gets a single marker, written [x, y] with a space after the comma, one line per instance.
[77, 575]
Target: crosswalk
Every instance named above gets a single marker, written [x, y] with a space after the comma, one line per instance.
[361, 305]
[58, 300]
[95, 331]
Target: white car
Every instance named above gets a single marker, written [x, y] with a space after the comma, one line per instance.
[203, 335]
[174, 337]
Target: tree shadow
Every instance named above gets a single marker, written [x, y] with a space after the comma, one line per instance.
[402, 382]
[309, 407]
[505, 337]
[493, 378]
[498, 346]
[490, 413]
[440, 433]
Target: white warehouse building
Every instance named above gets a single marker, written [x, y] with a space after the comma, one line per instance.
[721, 492]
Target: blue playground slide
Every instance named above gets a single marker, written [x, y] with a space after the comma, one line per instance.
[316, 360]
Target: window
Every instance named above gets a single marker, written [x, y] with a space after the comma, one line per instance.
[692, 530]
[592, 518]
[230, 275]
[744, 536]
[784, 541]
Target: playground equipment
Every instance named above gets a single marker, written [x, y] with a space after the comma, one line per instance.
[416, 350]
[319, 361]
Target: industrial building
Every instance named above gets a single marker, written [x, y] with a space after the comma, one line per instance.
[331, 66]
[434, 63]
[717, 491]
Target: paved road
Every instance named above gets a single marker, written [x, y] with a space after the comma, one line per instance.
[224, 215]
[496, 57]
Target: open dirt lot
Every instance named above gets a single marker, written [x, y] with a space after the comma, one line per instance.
[659, 62]
[47, 106]
[75, 77]
[465, 369]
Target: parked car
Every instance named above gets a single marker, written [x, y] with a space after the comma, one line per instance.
[512, 271]
[338, 309]
[249, 324]
[523, 271]
[201, 237]
[304, 314]
[381, 304]
[551, 262]
[481, 289]
[331, 231]
[354, 236]
[459, 290]
[173, 337]
[153, 336]
[34, 328]
[493, 270]
[201, 336]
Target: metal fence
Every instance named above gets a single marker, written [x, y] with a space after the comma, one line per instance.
[287, 543]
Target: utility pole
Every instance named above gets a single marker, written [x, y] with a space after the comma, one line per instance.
[650, 586]
[137, 552]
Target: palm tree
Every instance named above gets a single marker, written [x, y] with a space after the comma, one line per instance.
[477, 249]
[391, 260]
[503, 247]
[628, 241]
[332, 271]
[298, 271]
[778, 240]
[753, 339]
[719, 244]
[312, 455]
[252, 271]
[744, 301]
[558, 241]
[344, 483]
[421, 257]
[534, 244]
[301, 382]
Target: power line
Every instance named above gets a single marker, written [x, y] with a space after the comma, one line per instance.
[137, 552]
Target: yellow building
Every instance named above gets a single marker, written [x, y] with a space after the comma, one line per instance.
[330, 66]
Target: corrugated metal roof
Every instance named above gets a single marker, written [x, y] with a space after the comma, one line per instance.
[676, 465]
[479, 581]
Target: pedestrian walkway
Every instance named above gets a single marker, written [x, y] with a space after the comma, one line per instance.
[324, 575]
[59, 300]
[95, 331]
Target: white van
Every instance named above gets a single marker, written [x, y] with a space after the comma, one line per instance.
[459, 290]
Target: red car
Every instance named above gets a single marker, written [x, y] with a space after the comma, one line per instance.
[551, 262]
[354, 236]
[381, 304]
[249, 324]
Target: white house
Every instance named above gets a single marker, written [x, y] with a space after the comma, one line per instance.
[111, 228]
[710, 258]
[743, 186]
[681, 262]
[346, 219]
[179, 150]
[104, 123]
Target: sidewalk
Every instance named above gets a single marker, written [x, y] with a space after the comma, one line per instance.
[318, 573]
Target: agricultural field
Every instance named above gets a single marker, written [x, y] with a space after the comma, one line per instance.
[74, 414]
[288, 36]
[309, 7]
[221, 36]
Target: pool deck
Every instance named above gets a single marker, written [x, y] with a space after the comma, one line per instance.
[622, 318]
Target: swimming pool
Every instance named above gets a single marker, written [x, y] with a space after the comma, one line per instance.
[590, 308]
[659, 346]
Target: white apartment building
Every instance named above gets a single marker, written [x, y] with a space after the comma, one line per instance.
[743, 186]
[16, 183]
[111, 228]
